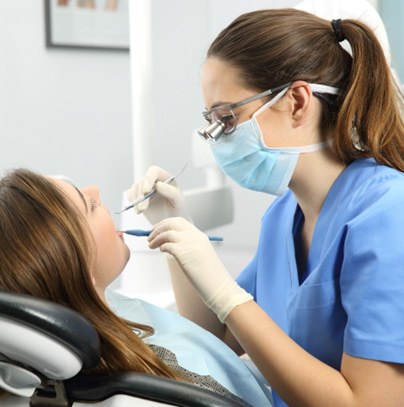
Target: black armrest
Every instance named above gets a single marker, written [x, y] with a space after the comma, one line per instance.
[96, 388]
[61, 323]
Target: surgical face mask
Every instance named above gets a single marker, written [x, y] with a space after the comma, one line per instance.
[245, 158]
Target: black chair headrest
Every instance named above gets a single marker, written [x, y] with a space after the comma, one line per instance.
[59, 322]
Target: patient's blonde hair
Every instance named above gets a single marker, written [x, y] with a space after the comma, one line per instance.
[46, 251]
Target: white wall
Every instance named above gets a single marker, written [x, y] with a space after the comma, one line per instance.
[62, 111]
[392, 12]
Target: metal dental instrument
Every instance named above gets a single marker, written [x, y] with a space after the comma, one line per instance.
[141, 232]
[151, 193]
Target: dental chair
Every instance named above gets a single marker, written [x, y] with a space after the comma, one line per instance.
[43, 348]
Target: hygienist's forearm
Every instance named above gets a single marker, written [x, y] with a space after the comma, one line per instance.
[189, 303]
[191, 306]
[299, 378]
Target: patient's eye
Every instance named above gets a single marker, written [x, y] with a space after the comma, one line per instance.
[93, 204]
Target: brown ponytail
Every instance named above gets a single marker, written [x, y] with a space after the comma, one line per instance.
[274, 47]
[373, 104]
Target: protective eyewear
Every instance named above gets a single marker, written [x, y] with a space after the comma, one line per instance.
[223, 120]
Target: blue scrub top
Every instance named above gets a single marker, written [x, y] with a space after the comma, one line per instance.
[351, 296]
[195, 348]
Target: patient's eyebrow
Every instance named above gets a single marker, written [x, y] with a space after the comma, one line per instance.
[82, 198]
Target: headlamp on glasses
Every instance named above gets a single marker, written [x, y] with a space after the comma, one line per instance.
[222, 119]
[213, 131]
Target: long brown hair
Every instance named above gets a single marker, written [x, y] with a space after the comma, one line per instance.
[46, 252]
[275, 47]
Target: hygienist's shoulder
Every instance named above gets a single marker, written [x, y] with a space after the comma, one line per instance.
[363, 183]
[371, 183]
[282, 204]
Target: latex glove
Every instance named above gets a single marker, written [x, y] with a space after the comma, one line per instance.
[168, 201]
[199, 261]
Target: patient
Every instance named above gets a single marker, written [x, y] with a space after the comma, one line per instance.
[59, 243]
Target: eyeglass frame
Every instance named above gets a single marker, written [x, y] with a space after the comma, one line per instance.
[218, 127]
[231, 106]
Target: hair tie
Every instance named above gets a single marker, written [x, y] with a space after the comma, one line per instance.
[338, 32]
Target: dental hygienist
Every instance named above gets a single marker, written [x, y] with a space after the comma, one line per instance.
[320, 308]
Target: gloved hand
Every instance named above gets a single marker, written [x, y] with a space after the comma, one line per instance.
[199, 261]
[168, 201]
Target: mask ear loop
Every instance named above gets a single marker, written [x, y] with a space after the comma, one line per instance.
[314, 87]
[303, 149]
[271, 102]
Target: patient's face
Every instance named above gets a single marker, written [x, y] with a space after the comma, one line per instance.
[112, 252]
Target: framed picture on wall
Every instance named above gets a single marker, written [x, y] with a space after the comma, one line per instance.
[92, 24]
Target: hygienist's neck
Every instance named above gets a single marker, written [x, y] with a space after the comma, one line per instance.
[314, 176]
